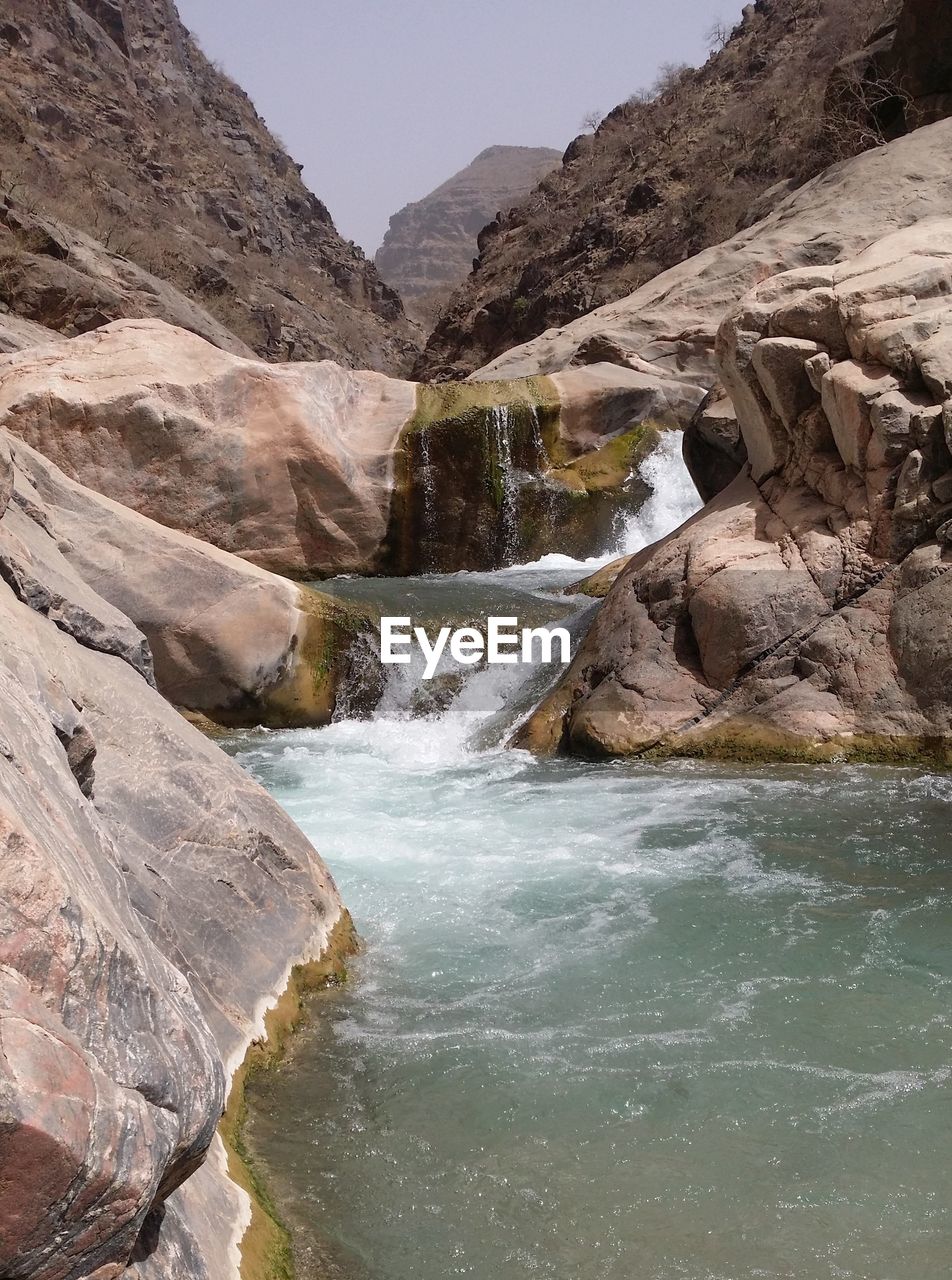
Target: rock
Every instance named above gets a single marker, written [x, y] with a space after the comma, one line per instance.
[143, 931]
[848, 392]
[311, 469]
[116, 130]
[713, 448]
[902, 79]
[825, 221]
[227, 639]
[780, 364]
[803, 613]
[250, 458]
[16, 334]
[429, 246]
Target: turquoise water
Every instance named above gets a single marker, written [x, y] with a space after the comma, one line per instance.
[611, 1022]
[617, 1021]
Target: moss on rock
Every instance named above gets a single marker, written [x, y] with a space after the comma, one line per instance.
[266, 1250]
[484, 476]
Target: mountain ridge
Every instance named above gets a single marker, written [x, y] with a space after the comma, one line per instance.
[431, 242]
[115, 123]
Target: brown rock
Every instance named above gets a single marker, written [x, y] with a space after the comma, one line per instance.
[142, 182]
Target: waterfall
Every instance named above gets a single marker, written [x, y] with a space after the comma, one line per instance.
[500, 429]
[673, 497]
[428, 489]
[363, 683]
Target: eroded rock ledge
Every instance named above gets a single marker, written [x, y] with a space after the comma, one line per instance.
[804, 612]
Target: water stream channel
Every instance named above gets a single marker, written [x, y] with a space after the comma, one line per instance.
[672, 1022]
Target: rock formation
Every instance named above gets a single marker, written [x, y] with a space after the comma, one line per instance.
[113, 121]
[674, 170]
[430, 244]
[310, 469]
[670, 323]
[225, 638]
[152, 901]
[804, 612]
[63, 282]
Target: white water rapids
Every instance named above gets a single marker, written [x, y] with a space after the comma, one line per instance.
[672, 1022]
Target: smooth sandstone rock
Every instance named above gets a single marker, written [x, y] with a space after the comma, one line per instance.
[804, 612]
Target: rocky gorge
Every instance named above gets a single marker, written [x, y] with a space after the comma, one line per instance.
[200, 525]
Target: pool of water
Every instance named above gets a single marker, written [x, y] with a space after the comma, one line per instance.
[666, 1021]
[669, 1022]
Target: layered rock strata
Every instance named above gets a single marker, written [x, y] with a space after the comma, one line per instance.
[430, 244]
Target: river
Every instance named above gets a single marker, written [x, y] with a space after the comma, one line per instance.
[673, 1022]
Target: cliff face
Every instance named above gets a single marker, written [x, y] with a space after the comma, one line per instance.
[113, 121]
[665, 175]
[430, 245]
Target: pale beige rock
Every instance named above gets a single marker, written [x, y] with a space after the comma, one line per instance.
[848, 391]
[228, 639]
[780, 367]
[804, 612]
[288, 466]
[152, 901]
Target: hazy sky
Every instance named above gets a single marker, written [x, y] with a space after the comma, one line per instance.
[381, 100]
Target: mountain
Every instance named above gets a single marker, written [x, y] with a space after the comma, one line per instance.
[136, 179]
[668, 173]
[430, 245]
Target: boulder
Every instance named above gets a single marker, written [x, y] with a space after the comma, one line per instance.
[288, 466]
[713, 447]
[153, 899]
[803, 614]
[227, 639]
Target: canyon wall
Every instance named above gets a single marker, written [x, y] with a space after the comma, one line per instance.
[153, 900]
[137, 179]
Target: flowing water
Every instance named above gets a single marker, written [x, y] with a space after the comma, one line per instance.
[673, 1022]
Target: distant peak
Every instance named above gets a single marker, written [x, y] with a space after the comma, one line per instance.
[495, 152]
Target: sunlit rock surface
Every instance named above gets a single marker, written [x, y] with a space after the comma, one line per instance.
[804, 612]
